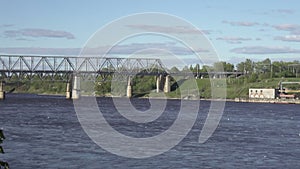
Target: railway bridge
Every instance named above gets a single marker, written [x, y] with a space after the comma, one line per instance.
[74, 69]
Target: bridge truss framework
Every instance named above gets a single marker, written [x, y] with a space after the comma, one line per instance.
[62, 67]
[74, 69]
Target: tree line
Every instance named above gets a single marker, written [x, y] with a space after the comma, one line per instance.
[253, 72]
[265, 68]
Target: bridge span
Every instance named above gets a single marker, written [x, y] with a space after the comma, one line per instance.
[73, 69]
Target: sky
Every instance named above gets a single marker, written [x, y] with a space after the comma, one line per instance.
[236, 29]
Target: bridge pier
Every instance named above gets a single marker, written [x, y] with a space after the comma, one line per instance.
[129, 88]
[167, 87]
[2, 92]
[158, 79]
[68, 91]
[76, 88]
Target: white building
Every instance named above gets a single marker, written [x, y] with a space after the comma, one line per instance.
[262, 93]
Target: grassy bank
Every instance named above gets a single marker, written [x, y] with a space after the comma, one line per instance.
[198, 88]
[234, 87]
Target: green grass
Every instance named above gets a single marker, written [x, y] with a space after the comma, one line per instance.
[234, 87]
[145, 87]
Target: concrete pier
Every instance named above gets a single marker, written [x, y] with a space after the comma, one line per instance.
[68, 91]
[167, 87]
[158, 79]
[2, 92]
[129, 88]
[76, 88]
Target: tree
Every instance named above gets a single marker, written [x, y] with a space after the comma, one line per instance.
[197, 67]
[174, 69]
[206, 68]
[191, 68]
[219, 66]
[278, 68]
[264, 66]
[228, 67]
[223, 67]
[185, 69]
[2, 163]
[247, 67]
[241, 67]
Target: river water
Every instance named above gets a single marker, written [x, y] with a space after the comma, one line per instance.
[44, 132]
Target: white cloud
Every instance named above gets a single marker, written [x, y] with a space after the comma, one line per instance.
[165, 29]
[241, 23]
[293, 29]
[6, 25]
[234, 40]
[126, 49]
[36, 33]
[285, 11]
[289, 38]
[265, 50]
[294, 32]
[148, 47]
[40, 51]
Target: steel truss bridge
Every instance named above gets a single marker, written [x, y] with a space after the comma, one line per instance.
[74, 69]
[62, 67]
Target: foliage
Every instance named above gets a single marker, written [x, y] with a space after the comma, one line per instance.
[247, 67]
[143, 84]
[2, 163]
[174, 69]
[255, 74]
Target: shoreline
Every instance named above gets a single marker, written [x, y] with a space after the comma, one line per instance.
[237, 100]
[272, 101]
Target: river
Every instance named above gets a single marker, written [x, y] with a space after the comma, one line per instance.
[44, 132]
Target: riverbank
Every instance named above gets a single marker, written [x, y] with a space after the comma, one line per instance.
[237, 100]
[242, 100]
[235, 88]
[275, 101]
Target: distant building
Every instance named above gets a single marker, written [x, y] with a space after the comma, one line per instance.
[262, 93]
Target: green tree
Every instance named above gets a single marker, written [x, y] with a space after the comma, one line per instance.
[191, 68]
[2, 163]
[223, 66]
[206, 68]
[174, 69]
[247, 67]
[228, 67]
[219, 66]
[185, 69]
[263, 66]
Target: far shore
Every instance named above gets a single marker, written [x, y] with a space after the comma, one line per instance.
[238, 100]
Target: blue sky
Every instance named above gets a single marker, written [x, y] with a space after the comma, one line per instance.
[238, 29]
